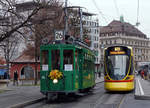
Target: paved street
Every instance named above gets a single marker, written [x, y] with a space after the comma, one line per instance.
[100, 99]
[130, 102]
[15, 95]
[23, 96]
[96, 99]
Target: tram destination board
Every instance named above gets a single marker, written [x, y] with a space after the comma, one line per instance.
[117, 51]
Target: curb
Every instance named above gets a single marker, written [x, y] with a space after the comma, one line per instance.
[99, 82]
[21, 105]
[141, 97]
[138, 93]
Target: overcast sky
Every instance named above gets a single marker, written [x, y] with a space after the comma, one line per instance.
[113, 9]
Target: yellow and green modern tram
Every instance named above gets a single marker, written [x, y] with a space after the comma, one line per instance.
[119, 68]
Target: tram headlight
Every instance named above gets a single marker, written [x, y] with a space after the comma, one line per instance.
[55, 81]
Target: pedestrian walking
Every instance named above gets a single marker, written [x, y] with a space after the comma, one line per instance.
[142, 74]
[15, 78]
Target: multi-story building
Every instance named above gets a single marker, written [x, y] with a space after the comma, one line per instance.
[24, 9]
[122, 33]
[92, 25]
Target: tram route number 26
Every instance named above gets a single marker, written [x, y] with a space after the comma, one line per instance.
[59, 35]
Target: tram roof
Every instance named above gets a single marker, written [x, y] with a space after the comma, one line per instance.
[65, 46]
[61, 46]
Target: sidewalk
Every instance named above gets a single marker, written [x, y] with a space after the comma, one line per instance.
[142, 90]
[19, 96]
[14, 96]
[99, 79]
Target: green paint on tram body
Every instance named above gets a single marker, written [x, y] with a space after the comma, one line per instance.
[74, 62]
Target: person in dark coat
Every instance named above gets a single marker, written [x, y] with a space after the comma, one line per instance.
[15, 78]
[5, 75]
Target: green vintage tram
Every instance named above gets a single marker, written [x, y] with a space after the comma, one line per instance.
[66, 69]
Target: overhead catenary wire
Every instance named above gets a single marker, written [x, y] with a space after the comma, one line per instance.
[116, 7]
[94, 2]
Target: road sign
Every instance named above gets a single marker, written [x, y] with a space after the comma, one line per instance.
[59, 34]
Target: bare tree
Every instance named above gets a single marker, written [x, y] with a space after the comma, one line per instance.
[14, 22]
[44, 22]
[9, 47]
[42, 25]
[8, 11]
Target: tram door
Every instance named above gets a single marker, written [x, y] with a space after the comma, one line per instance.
[68, 68]
[45, 60]
[56, 61]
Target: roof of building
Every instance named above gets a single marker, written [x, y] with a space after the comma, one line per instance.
[30, 5]
[123, 27]
[24, 58]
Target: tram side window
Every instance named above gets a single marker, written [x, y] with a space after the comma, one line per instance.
[76, 60]
[68, 60]
[55, 60]
[45, 57]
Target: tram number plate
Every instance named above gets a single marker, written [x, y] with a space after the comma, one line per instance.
[59, 35]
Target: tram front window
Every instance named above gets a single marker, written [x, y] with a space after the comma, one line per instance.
[55, 57]
[117, 66]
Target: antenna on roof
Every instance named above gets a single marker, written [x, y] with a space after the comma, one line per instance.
[137, 23]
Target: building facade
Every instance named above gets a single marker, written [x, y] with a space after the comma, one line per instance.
[25, 66]
[92, 25]
[122, 33]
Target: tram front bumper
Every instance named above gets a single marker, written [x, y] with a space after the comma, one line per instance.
[119, 86]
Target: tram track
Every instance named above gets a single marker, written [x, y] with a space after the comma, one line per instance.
[109, 100]
[84, 97]
[122, 100]
[99, 98]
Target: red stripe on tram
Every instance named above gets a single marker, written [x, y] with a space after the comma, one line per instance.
[119, 80]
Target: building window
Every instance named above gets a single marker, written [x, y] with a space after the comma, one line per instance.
[110, 42]
[27, 73]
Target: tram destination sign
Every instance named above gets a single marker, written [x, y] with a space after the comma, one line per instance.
[117, 51]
